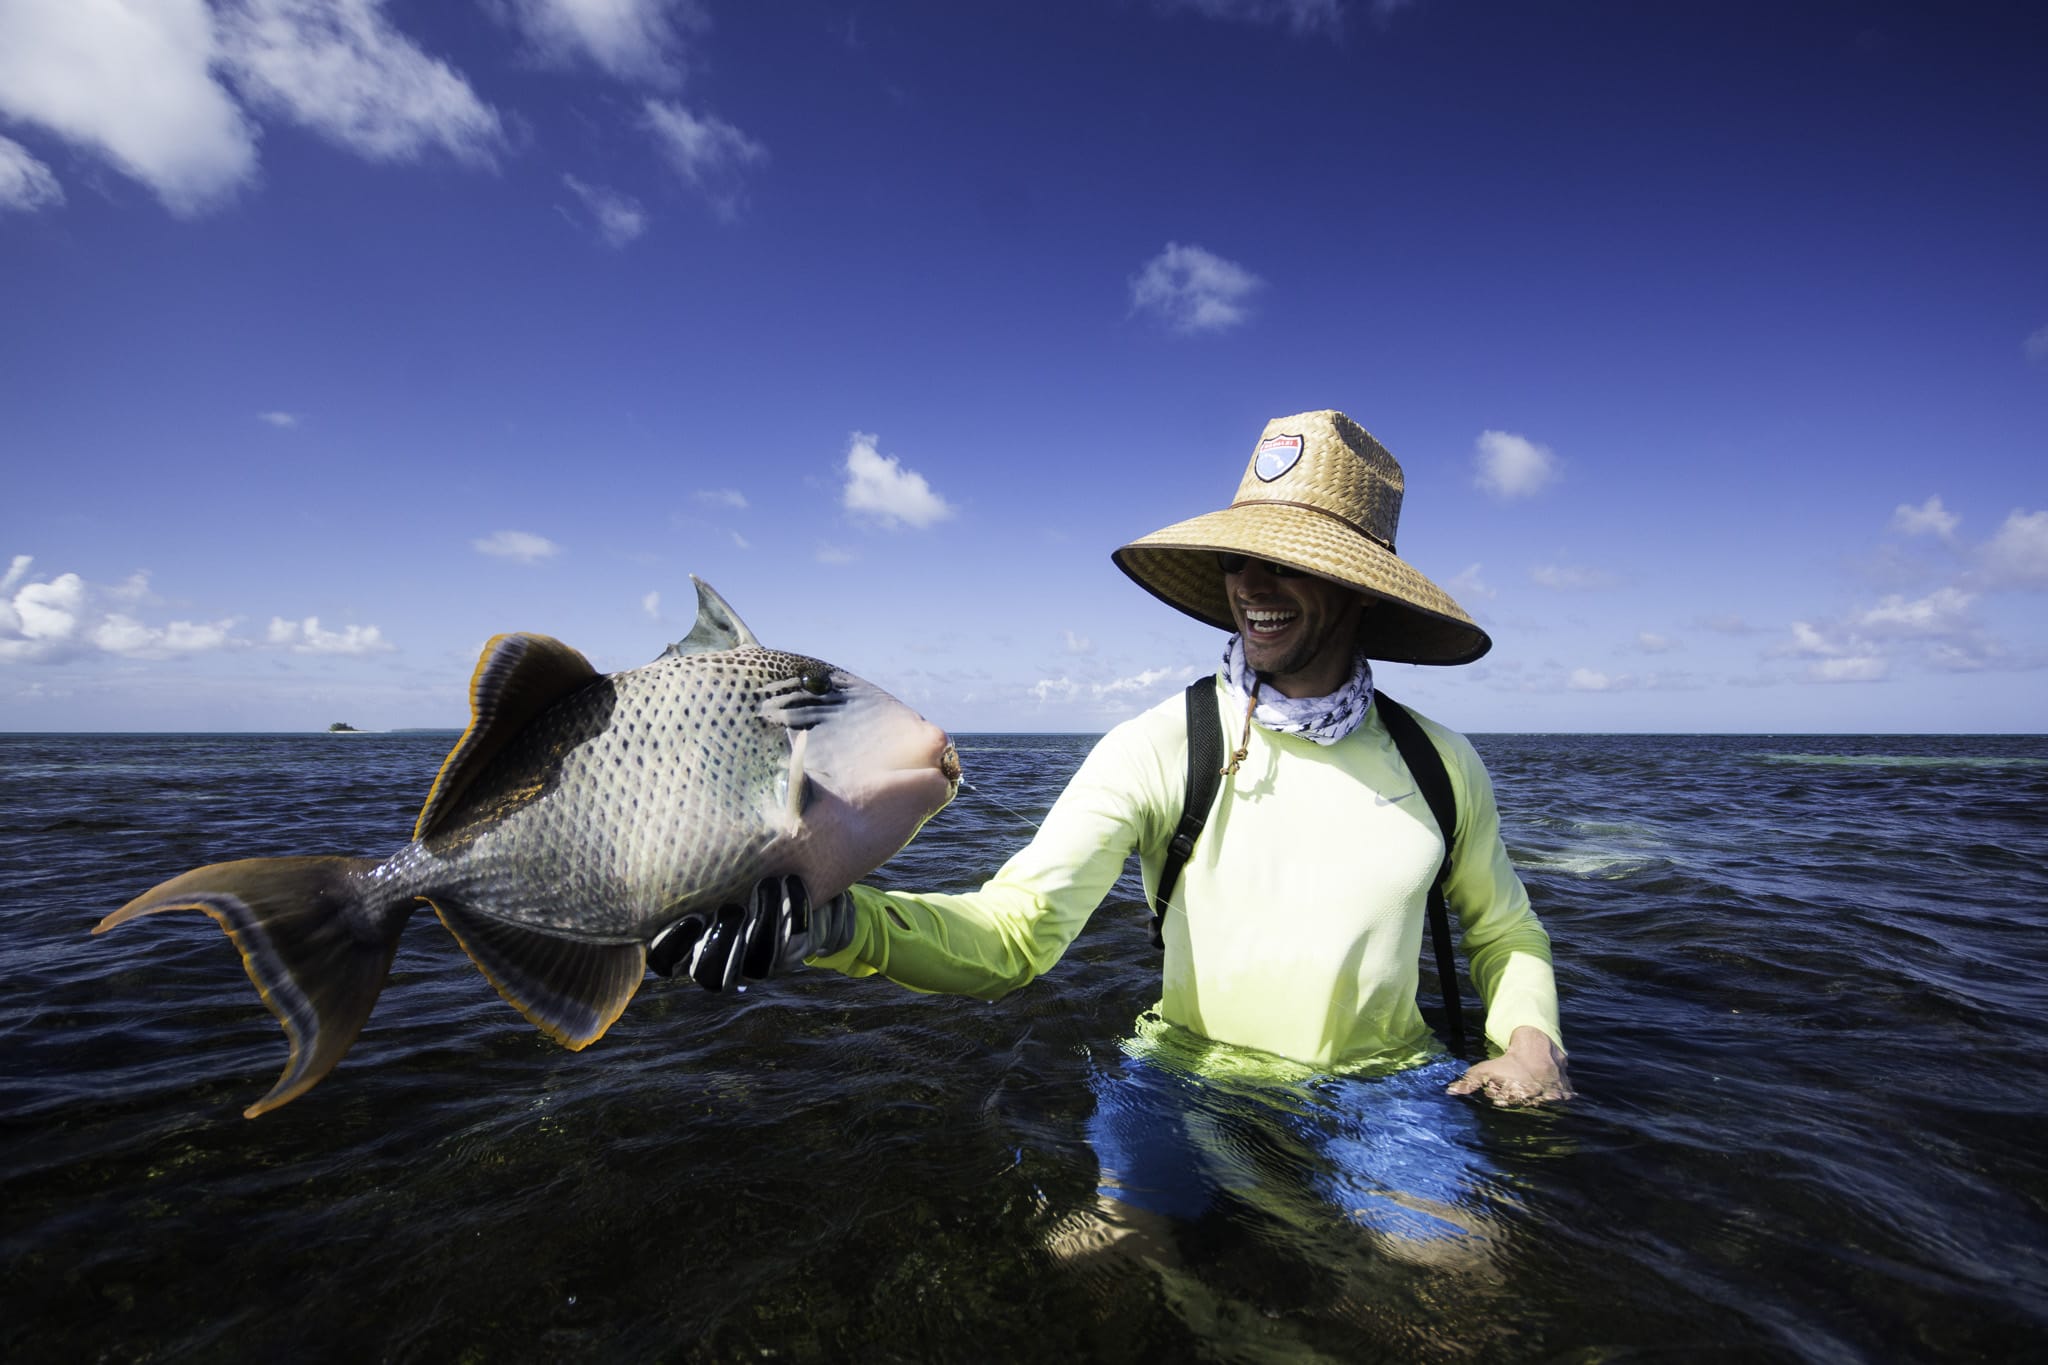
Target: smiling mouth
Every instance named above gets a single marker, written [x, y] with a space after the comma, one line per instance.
[1263, 621]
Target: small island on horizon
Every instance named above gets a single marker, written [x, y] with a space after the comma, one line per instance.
[342, 727]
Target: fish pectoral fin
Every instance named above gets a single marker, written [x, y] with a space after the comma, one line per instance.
[570, 989]
[793, 784]
[517, 678]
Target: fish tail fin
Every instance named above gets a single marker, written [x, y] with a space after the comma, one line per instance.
[316, 937]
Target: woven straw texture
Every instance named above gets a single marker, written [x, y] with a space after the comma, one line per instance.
[1321, 495]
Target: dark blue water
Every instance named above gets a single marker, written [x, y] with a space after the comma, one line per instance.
[1805, 984]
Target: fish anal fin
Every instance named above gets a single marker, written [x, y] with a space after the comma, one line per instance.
[516, 678]
[570, 989]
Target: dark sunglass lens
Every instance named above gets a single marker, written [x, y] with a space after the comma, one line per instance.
[1230, 563]
[1283, 570]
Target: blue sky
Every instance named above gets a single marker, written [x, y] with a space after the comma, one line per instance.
[337, 336]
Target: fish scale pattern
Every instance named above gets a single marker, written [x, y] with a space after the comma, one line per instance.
[647, 794]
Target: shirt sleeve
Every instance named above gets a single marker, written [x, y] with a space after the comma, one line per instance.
[1506, 946]
[989, 942]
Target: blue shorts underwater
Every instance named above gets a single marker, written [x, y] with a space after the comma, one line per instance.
[1391, 1153]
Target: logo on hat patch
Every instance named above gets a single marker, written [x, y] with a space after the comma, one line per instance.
[1275, 456]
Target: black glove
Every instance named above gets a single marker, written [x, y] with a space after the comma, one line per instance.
[773, 932]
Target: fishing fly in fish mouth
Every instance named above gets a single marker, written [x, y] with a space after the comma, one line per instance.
[580, 819]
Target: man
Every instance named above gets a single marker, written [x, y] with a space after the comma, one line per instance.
[1296, 926]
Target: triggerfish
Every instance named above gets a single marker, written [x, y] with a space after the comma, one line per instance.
[580, 814]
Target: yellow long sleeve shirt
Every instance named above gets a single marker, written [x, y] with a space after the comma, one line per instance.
[1297, 925]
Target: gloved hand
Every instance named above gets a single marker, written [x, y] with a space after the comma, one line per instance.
[773, 932]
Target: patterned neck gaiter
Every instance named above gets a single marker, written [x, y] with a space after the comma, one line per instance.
[1322, 719]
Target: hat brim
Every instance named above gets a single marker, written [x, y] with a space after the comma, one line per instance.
[1178, 566]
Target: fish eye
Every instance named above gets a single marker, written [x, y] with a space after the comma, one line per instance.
[815, 681]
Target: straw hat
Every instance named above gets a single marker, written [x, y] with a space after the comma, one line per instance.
[1320, 495]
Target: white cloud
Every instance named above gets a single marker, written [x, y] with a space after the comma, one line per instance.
[1065, 689]
[1572, 578]
[633, 40]
[2036, 347]
[723, 497]
[49, 612]
[1859, 668]
[1929, 518]
[877, 486]
[1193, 290]
[66, 617]
[1468, 585]
[833, 554]
[1591, 680]
[1942, 613]
[1652, 643]
[707, 152]
[1512, 466]
[133, 83]
[651, 604]
[523, 546]
[25, 183]
[2017, 556]
[1303, 16]
[281, 420]
[619, 217]
[309, 637]
[124, 635]
[339, 68]
[1078, 644]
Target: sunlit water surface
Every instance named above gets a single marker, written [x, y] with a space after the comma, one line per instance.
[1806, 991]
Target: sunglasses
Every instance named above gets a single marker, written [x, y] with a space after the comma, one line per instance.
[1230, 563]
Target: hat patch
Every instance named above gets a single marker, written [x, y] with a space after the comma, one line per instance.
[1276, 455]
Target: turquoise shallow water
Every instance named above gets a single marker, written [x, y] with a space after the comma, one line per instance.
[1803, 982]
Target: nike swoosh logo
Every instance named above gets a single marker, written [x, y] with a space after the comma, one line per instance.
[1379, 800]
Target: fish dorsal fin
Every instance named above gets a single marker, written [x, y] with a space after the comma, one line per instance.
[518, 677]
[718, 626]
[571, 989]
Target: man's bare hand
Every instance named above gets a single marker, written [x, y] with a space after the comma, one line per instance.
[1531, 1071]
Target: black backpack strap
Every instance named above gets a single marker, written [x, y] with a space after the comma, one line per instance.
[1205, 775]
[1426, 766]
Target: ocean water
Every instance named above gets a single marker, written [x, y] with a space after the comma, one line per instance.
[1805, 984]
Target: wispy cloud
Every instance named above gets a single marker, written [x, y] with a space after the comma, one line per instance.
[1512, 466]
[1136, 685]
[651, 604]
[722, 497]
[707, 152]
[339, 68]
[2036, 347]
[833, 554]
[48, 620]
[1468, 585]
[1302, 16]
[880, 489]
[2017, 556]
[308, 636]
[26, 184]
[1192, 290]
[1649, 642]
[281, 420]
[1929, 518]
[1572, 578]
[632, 40]
[523, 546]
[619, 219]
[133, 84]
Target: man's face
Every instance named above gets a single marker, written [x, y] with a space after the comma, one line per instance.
[1300, 631]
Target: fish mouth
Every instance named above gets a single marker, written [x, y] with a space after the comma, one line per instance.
[949, 765]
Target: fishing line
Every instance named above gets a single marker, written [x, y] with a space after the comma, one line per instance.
[1008, 810]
